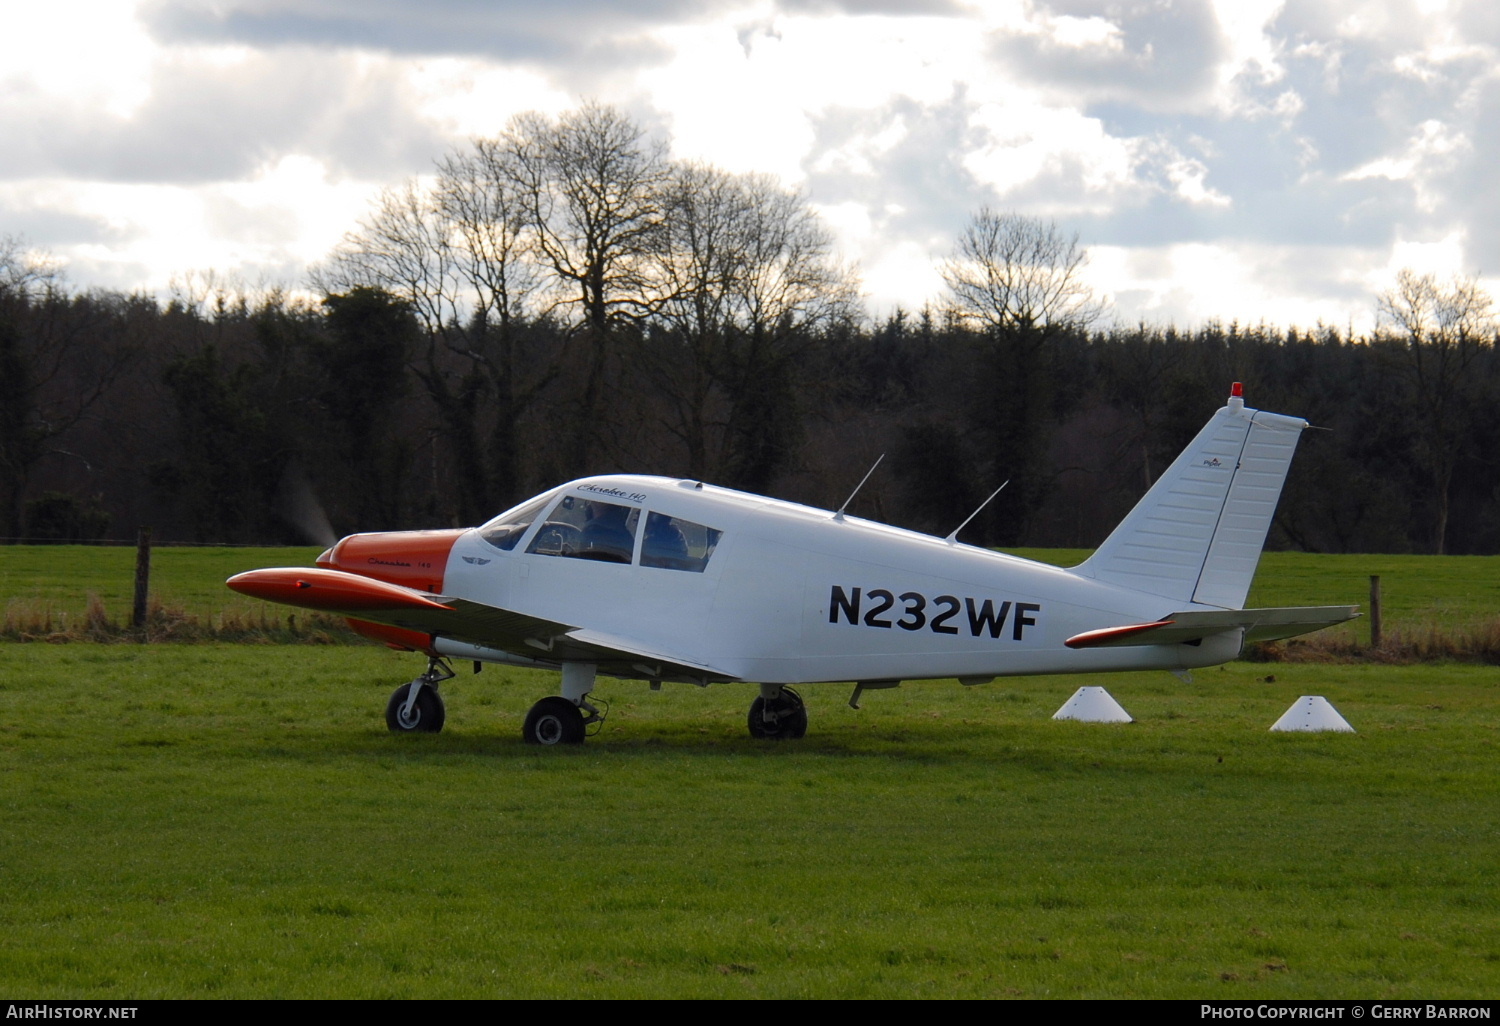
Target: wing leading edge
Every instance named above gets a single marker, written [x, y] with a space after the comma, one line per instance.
[1180, 628]
[531, 637]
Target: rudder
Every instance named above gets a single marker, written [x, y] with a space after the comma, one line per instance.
[1197, 534]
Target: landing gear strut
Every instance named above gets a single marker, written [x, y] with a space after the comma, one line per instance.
[418, 706]
[778, 714]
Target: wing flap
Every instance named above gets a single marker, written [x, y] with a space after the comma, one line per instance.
[1179, 628]
[646, 662]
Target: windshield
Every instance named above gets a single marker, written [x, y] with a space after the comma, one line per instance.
[505, 530]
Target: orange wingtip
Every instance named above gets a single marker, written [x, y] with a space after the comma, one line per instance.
[329, 590]
[1089, 639]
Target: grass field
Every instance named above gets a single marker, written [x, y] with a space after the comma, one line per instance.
[60, 579]
[215, 820]
[235, 821]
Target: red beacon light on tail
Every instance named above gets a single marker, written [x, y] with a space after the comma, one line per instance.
[1237, 396]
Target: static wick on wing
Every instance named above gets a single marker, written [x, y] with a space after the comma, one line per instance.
[953, 537]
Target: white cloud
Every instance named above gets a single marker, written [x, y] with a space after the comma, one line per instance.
[288, 215]
[1443, 257]
[905, 275]
[1251, 283]
[464, 97]
[1026, 141]
[92, 53]
[1187, 176]
[744, 91]
[1432, 150]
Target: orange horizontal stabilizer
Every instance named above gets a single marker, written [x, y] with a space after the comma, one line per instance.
[332, 591]
[1109, 635]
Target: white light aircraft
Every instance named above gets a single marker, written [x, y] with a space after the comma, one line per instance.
[658, 579]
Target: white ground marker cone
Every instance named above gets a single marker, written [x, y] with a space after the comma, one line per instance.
[1092, 705]
[1312, 712]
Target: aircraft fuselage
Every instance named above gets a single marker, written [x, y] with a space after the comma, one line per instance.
[792, 594]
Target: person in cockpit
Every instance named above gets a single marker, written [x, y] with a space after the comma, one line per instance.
[605, 535]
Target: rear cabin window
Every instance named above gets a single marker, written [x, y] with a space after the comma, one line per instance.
[588, 529]
[672, 543]
[505, 530]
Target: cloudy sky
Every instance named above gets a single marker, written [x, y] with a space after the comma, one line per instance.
[1238, 159]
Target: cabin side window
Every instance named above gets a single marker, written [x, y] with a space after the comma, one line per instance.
[672, 543]
[588, 529]
[505, 530]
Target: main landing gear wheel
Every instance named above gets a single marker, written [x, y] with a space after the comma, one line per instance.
[426, 715]
[787, 719]
[554, 721]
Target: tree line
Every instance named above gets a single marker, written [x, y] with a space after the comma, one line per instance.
[564, 300]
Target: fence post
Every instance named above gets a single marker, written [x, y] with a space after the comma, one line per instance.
[1375, 632]
[142, 580]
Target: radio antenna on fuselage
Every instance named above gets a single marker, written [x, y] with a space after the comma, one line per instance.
[840, 514]
[953, 538]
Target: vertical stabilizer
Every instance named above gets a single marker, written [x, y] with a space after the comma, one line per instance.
[1198, 533]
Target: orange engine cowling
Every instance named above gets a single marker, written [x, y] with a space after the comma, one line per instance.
[413, 559]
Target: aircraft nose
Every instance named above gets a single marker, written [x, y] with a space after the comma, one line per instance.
[413, 559]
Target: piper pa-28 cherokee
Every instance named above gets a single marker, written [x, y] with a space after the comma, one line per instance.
[660, 579]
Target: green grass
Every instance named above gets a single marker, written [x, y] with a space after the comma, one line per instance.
[190, 579]
[235, 821]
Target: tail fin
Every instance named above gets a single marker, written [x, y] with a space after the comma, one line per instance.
[1197, 534]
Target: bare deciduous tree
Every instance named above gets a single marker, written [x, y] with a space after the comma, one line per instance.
[580, 219]
[487, 230]
[698, 262]
[58, 357]
[24, 272]
[1008, 271]
[455, 251]
[1019, 281]
[747, 279]
[591, 181]
[402, 247]
[1444, 327]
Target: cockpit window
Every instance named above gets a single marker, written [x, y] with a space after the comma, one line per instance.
[588, 529]
[672, 543]
[505, 530]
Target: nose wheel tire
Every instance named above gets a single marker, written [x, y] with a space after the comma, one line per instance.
[426, 715]
[788, 719]
[554, 721]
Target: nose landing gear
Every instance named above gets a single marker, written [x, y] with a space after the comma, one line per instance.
[418, 706]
